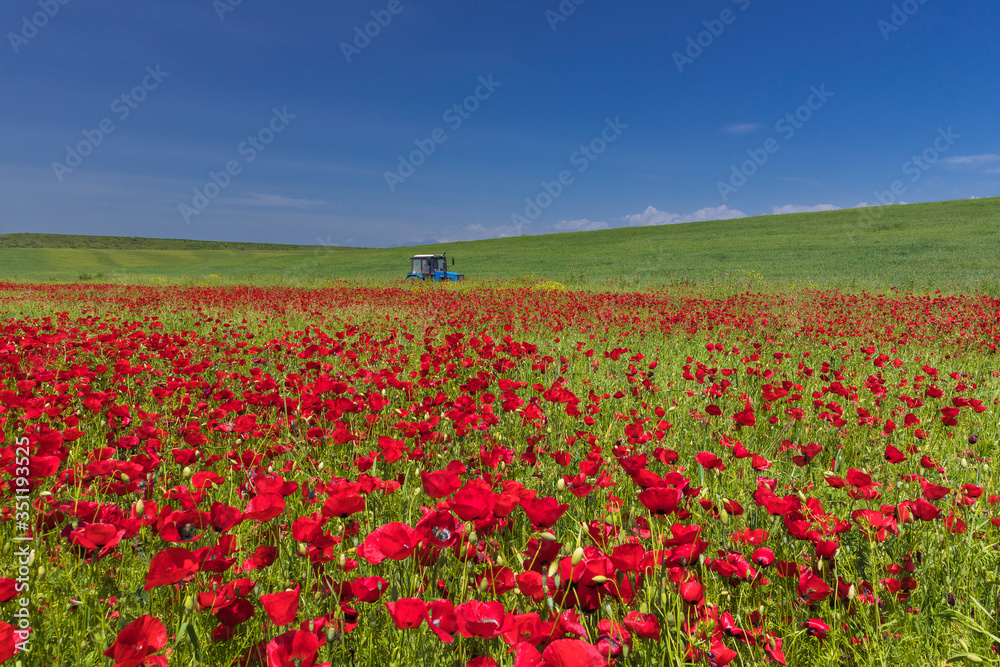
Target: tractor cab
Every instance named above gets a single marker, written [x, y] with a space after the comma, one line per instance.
[432, 267]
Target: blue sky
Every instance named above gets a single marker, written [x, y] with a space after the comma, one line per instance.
[284, 122]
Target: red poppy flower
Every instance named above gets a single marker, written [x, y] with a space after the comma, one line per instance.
[8, 589]
[645, 626]
[440, 483]
[169, 567]
[691, 592]
[708, 460]
[745, 417]
[661, 500]
[812, 588]
[572, 653]
[343, 505]
[393, 541]
[473, 503]
[236, 612]
[543, 512]
[407, 613]
[817, 628]
[482, 661]
[480, 619]
[368, 589]
[8, 645]
[720, 655]
[101, 536]
[295, 648]
[440, 529]
[442, 619]
[223, 517]
[763, 557]
[136, 643]
[281, 607]
[264, 507]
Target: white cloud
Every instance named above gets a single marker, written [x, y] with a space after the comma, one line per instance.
[653, 216]
[581, 225]
[276, 201]
[972, 160]
[743, 128]
[714, 213]
[792, 208]
[865, 204]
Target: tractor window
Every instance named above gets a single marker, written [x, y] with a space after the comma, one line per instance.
[415, 266]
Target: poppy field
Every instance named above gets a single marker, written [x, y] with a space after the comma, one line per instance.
[489, 475]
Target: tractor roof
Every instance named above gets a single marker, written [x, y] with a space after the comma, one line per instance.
[425, 256]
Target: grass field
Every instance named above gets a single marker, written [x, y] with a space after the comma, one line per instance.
[946, 245]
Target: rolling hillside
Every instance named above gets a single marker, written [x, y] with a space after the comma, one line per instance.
[920, 246]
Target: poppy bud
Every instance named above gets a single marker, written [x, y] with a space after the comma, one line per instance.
[553, 568]
[342, 561]
[188, 604]
[578, 556]
[186, 473]
[500, 559]
[852, 592]
[549, 537]
[561, 484]
[600, 579]
[320, 466]
[41, 571]
[140, 507]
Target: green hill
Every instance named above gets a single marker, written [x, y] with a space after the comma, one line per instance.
[919, 246]
[83, 242]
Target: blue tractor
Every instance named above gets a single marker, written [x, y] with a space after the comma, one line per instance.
[432, 267]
